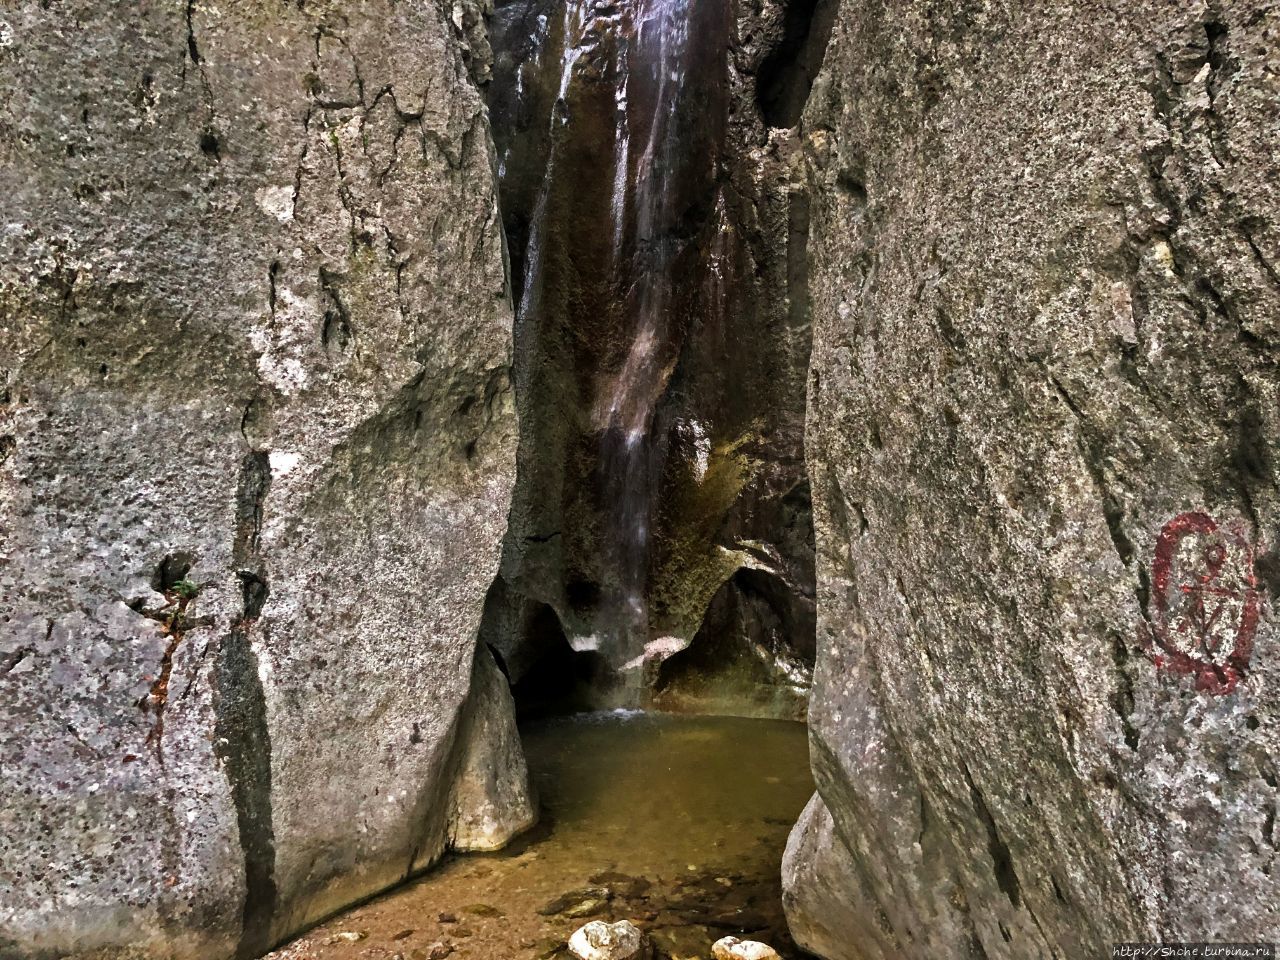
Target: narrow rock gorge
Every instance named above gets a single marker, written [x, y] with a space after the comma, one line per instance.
[383, 381]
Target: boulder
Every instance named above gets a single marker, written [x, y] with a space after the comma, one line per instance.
[829, 909]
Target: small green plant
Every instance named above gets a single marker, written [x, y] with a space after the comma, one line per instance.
[185, 589]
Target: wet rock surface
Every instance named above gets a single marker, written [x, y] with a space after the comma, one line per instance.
[1041, 433]
[654, 231]
[578, 903]
[257, 440]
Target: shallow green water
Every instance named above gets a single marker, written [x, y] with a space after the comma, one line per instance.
[676, 823]
[650, 793]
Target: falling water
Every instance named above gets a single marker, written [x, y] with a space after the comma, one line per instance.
[642, 48]
[626, 400]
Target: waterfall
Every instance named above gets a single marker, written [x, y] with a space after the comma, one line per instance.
[609, 115]
[626, 400]
[642, 47]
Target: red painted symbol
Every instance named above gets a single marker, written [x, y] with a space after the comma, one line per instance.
[1204, 602]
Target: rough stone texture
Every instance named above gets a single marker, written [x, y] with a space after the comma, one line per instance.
[720, 492]
[254, 337]
[599, 940]
[731, 948]
[825, 897]
[492, 798]
[1045, 296]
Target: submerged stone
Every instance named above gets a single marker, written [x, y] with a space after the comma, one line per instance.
[547, 947]
[684, 942]
[578, 903]
[586, 908]
[622, 884]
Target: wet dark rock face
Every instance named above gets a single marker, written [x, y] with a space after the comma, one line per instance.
[1042, 425]
[656, 236]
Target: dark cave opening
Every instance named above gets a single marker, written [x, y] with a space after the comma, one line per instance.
[752, 656]
[548, 676]
[787, 74]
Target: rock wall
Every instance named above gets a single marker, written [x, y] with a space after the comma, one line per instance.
[585, 125]
[1043, 411]
[257, 442]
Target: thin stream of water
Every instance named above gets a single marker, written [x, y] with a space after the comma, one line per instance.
[626, 405]
[643, 49]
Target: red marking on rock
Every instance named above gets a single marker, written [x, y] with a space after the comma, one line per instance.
[1205, 603]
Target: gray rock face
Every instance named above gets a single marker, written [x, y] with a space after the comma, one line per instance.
[491, 791]
[256, 450]
[827, 905]
[1042, 438]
